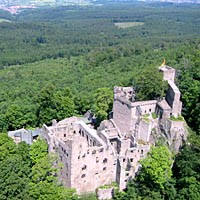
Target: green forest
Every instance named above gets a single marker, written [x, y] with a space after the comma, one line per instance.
[62, 61]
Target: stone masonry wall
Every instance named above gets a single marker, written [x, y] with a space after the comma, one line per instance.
[122, 116]
[91, 167]
[173, 99]
[144, 131]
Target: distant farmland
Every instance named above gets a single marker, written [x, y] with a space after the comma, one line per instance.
[128, 24]
[4, 20]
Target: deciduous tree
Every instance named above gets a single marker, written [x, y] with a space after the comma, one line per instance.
[102, 103]
[156, 168]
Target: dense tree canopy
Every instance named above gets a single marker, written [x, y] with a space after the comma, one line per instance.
[28, 173]
[186, 170]
[38, 150]
[102, 103]
[14, 178]
[7, 146]
[54, 104]
[156, 168]
[148, 84]
[84, 50]
[58, 62]
[190, 87]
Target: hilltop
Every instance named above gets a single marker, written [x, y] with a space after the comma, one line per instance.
[41, 2]
[15, 6]
[174, 1]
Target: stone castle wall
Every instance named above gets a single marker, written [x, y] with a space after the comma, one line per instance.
[144, 131]
[122, 115]
[173, 99]
[91, 168]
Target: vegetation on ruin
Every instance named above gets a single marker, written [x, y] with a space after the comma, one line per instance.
[179, 118]
[108, 186]
[142, 142]
[87, 196]
[146, 119]
[154, 115]
[63, 61]
[146, 115]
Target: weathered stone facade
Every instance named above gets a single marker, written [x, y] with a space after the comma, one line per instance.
[92, 158]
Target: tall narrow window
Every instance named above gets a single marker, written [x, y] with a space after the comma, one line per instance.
[83, 176]
[84, 167]
[105, 160]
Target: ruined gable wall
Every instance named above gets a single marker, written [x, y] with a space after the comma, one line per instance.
[170, 96]
[127, 164]
[173, 99]
[144, 131]
[104, 136]
[146, 107]
[141, 130]
[122, 116]
[163, 113]
[64, 150]
[124, 167]
[49, 137]
[176, 133]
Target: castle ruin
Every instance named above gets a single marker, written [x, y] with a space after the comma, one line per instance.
[91, 158]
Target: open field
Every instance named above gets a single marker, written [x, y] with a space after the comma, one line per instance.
[4, 20]
[128, 24]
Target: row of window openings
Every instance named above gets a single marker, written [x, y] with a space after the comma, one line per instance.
[64, 151]
[62, 173]
[142, 151]
[93, 152]
[144, 111]
[105, 160]
[88, 140]
[131, 159]
[84, 175]
[61, 158]
[65, 135]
